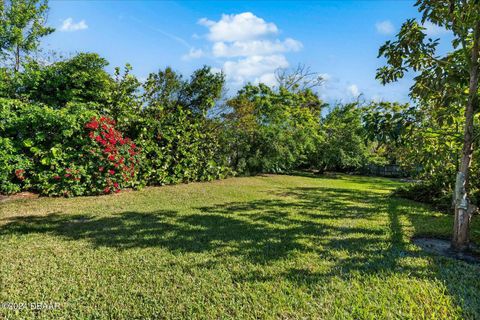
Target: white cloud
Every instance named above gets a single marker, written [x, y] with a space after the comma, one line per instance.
[268, 78]
[434, 30]
[238, 27]
[248, 47]
[69, 25]
[193, 54]
[254, 47]
[353, 90]
[385, 27]
[254, 68]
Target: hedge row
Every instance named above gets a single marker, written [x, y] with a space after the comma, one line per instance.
[75, 151]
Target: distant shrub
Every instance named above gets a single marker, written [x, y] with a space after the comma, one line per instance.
[270, 130]
[427, 192]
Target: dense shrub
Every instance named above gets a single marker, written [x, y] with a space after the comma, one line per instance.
[72, 146]
[111, 161]
[10, 159]
[12, 167]
[63, 152]
[79, 79]
[427, 192]
[179, 148]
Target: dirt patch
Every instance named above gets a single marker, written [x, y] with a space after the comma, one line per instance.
[21, 195]
[442, 247]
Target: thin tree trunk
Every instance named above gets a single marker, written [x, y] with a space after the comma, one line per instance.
[463, 209]
[17, 58]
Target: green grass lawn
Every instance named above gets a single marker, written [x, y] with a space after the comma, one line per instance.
[283, 247]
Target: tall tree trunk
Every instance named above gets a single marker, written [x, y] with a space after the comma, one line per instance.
[463, 208]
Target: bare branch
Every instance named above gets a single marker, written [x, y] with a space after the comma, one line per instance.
[299, 78]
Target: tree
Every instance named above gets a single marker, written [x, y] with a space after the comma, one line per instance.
[344, 146]
[300, 78]
[124, 101]
[80, 79]
[162, 89]
[271, 130]
[178, 139]
[443, 82]
[168, 90]
[203, 90]
[389, 126]
[22, 24]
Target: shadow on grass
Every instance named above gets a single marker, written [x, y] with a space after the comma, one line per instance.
[361, 232]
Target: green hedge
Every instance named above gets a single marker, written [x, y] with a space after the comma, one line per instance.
[75, 151]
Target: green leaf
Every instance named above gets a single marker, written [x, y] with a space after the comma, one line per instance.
[28, 143]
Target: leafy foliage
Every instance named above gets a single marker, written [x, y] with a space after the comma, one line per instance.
[179, 148]
[271, 131]
[180, 142]
[60, 157]
[446, 85]
[22, 24]
[80, 79]
[344, 147]
[112, 158]
[168, 90]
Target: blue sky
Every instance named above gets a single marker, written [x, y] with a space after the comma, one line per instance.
[246, 39]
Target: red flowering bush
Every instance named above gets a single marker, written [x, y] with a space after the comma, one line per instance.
[113, 159]
[63, 152]
[19, 173]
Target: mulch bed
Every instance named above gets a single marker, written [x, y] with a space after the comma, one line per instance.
[442, 247]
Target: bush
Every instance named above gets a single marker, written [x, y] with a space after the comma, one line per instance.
[73, 151]
[105, 162]
[79, 79]
[179, 141]
[427, 192]
[344, 147]
[66, 152]
[179, 147]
